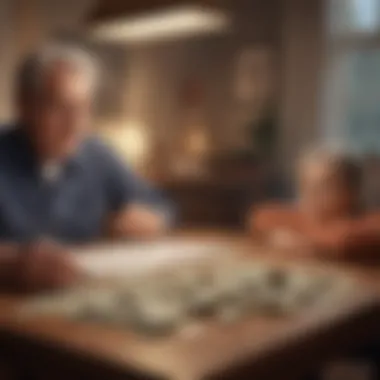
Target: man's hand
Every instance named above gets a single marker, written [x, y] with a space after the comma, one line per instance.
[42, 265]
[137, 221]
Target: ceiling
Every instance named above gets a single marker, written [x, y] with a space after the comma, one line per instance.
[111, 9]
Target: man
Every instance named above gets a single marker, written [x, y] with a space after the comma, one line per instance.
[59, 185]
[328, 219]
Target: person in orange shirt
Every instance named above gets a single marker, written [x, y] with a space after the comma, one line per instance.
[328, 218]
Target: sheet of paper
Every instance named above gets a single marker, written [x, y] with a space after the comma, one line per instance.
[121, 258]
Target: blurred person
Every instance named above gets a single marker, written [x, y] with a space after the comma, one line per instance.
[328, 219]
[372, 181]
[58, 184]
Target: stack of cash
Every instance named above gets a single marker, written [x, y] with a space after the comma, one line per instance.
[161, 304]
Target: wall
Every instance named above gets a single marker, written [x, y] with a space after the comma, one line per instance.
[159, 72]
[148, 80]
[5, 60]
[303, 74]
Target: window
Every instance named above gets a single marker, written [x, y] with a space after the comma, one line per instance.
[353, 75]
[354, 16]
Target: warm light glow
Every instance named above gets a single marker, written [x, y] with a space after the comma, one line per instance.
[173, 23]
[130, 140]
[197, 143]
[191, 163]
[133, 141]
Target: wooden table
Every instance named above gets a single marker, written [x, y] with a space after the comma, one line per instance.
[257, 348]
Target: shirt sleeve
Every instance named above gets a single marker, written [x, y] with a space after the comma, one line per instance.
[359, 239]
[123, 187]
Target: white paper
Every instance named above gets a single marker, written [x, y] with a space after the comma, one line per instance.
[123, 258]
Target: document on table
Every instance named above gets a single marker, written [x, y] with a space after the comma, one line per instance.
[123, 258]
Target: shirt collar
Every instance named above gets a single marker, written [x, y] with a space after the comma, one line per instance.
[73, 164]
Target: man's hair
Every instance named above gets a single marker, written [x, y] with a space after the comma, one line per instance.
[341, 162]
[33, 67]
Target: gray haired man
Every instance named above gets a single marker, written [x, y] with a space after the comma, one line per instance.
[57, 183]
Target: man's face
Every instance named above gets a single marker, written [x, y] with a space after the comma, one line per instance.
[324, 194]
[59, 117]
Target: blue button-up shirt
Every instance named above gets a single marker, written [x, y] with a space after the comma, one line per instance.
[72, 208]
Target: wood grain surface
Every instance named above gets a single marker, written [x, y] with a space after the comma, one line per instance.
[263, 347]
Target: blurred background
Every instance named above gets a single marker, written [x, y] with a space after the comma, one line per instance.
[213, 100]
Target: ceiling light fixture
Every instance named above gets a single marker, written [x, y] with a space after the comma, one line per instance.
[170, 23]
